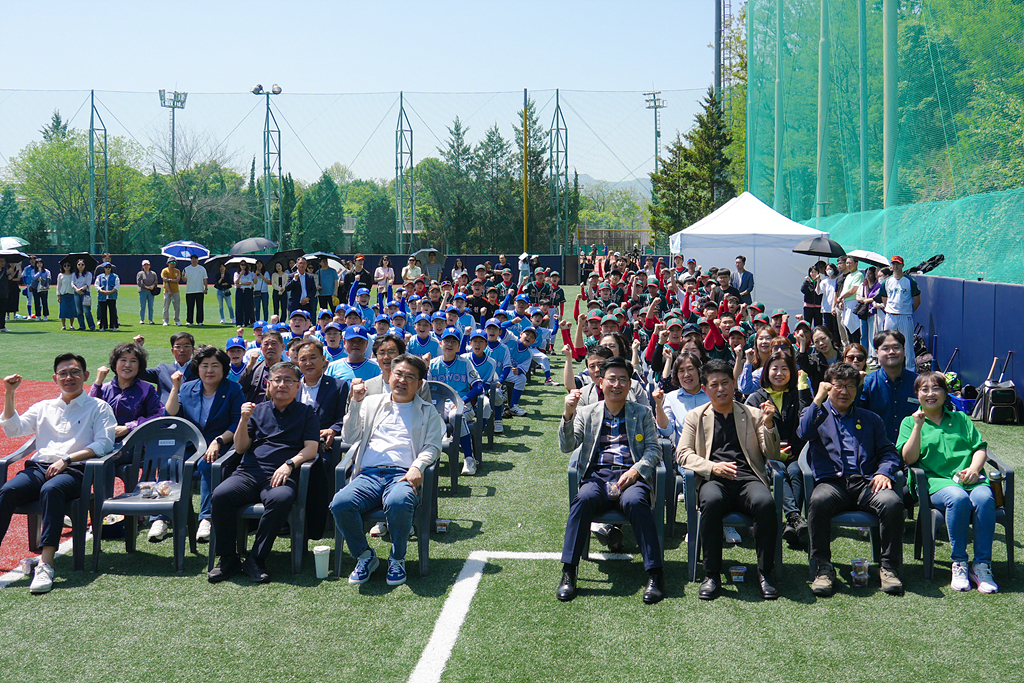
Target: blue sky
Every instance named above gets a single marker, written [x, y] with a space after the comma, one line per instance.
[341, 65]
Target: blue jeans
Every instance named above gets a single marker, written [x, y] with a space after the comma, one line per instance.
[205, 470]
[224, 296]
[961, 509]
[145, 303]
[792, 488]
[84, 313]
[373, 488]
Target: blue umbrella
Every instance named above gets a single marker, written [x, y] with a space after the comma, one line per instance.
[185, 249]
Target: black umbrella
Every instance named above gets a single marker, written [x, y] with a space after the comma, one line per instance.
[314, 260]
[73, 259]
[13, 255]
[213, 263]
[819, 246]
[283, 257]
[252, 244]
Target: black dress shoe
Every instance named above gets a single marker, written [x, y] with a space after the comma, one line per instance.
[566, 587]
[709, 588]
[225, 569]
[655, 591]
[768, 589]
[256, 571]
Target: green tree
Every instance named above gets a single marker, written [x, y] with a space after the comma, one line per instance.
[56, 129]
[319, 216]
[491, 168]
[10, 212]
[539, 230]
[375, 230]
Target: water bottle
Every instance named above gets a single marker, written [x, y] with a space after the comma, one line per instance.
[995, 482]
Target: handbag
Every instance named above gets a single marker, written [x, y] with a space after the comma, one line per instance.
[862, 310]
[87, 300]
[156, 291]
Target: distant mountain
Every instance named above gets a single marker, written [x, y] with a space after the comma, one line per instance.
[642, 184]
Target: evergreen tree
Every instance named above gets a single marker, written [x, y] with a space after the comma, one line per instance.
[56, 129]
[539, 229]
[375, 231]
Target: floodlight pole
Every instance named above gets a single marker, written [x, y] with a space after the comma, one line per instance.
[824, 60]
[94, 115]
[558, 149]
[405, 191]
[272, 162]
[654, 102]
[890, 74]
[526, 176]
[175, 101]
[718, 48]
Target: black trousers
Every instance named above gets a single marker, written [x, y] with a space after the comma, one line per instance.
[325, 302]
[833, 496]
[53, 494]
[194, 301]
[246, 487]
[717, 498]
[107, 315]
[592, 499]
[42, 300]
[812, 315]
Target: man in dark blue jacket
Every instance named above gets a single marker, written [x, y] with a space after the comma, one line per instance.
[854, 465]
[301, 288]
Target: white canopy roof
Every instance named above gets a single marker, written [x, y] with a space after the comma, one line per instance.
[748, 215]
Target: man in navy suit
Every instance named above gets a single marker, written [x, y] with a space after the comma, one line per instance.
[301, 288]
[328, 396]
[183, 345]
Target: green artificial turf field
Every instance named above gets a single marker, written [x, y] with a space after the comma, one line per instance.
[136, 620]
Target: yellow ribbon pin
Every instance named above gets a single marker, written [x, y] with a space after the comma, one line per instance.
[858, 425]
[639, 437]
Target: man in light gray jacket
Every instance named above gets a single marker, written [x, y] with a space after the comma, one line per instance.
[397, 436]
[619, 453]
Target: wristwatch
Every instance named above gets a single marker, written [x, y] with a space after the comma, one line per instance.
[290, 463]
[219, 440]
[66, 459]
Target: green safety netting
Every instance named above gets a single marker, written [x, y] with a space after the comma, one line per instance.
[959, 154]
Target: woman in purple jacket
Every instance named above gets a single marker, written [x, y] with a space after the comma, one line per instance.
[133, 400]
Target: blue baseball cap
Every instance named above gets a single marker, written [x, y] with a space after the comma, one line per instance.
[341, 307]
[534, 311]
[493, 321]
[382, 319]
[478, 333]
[259, 324]
[398, 332]
[356, 332]
[235, 343]
[300, 312]
[451, 332]
[283, 327]
[523, 297]
[530, 329]
[334, 326]
[399, 314]
[324, 313]
[500, 311]
[451, 309]
[423, 318]
[362, 290]
[392, 303]
[352, 310]
[460, 295]
[438, 316]
[415, 297]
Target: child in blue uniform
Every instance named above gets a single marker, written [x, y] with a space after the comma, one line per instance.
[502, 359]
[458, 373]
[236, 352]
[488, 371]
[333, 337]
[357, 365]
[521, 359]
[424, 341]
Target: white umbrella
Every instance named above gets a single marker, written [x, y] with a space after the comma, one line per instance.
[237, 260]
[12, 242]
[872, 257]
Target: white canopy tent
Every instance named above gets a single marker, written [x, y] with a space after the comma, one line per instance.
[746, 225]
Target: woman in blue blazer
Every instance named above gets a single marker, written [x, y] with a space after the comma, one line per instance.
[214, 404]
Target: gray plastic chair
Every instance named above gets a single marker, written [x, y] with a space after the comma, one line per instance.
[614, 516]
[221, 470]
[930, 518]
[439, 393]
[77, 510]
[424, 518]
[694, 519]
[156, 450]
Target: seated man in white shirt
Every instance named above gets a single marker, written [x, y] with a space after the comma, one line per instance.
[397, 436]
[68, 430]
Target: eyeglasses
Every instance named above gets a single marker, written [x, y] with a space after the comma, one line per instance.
[856, 359]
[178, 347]
[845, 388]
[283, 381]
[407, 376]
[620, 381]
[69, 374]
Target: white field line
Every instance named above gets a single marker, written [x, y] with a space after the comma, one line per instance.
[16, 575]
[446, 630]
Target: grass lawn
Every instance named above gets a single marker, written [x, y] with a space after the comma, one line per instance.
[136, 620]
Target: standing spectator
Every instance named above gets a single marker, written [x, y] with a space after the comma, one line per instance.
[223, 286]
[411, 271]
[278, 280]
[866, 294]
[107, 285]
[384, 275]
[171, 276]
[82, 282]
[433, 268]
[326, 285]
[458, 270]
[196, 285]
[65, 297]
[13, 273]
[28, 275]
[245, 281]
[848, 295]
[40, 288]
[98, 270]
[743, 280]
[260, 292]
[812, 297]
[301, 288]
[827, 290]
[146, 281]
[8, 290]
[356, 278]
[900, 298]
[69, 430]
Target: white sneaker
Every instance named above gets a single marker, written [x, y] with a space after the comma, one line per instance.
[379, 529]
[981, 574]
[165, 323]
[469, 467]
[732, 536]
[498, 427]
[158, 531]
[517, 411]
[42, 580]
[67, 521]
[203, 532]
[550, 382]
[960, 580]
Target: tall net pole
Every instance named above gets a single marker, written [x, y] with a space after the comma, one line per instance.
[526, 175]
[405, 198]
[97, 134]
[559, 167]
[272, 176]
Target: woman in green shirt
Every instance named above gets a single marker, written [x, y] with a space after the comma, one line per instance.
[949, 448]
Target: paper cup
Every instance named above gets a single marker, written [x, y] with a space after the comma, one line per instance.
[737, 574]
[322, 557]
